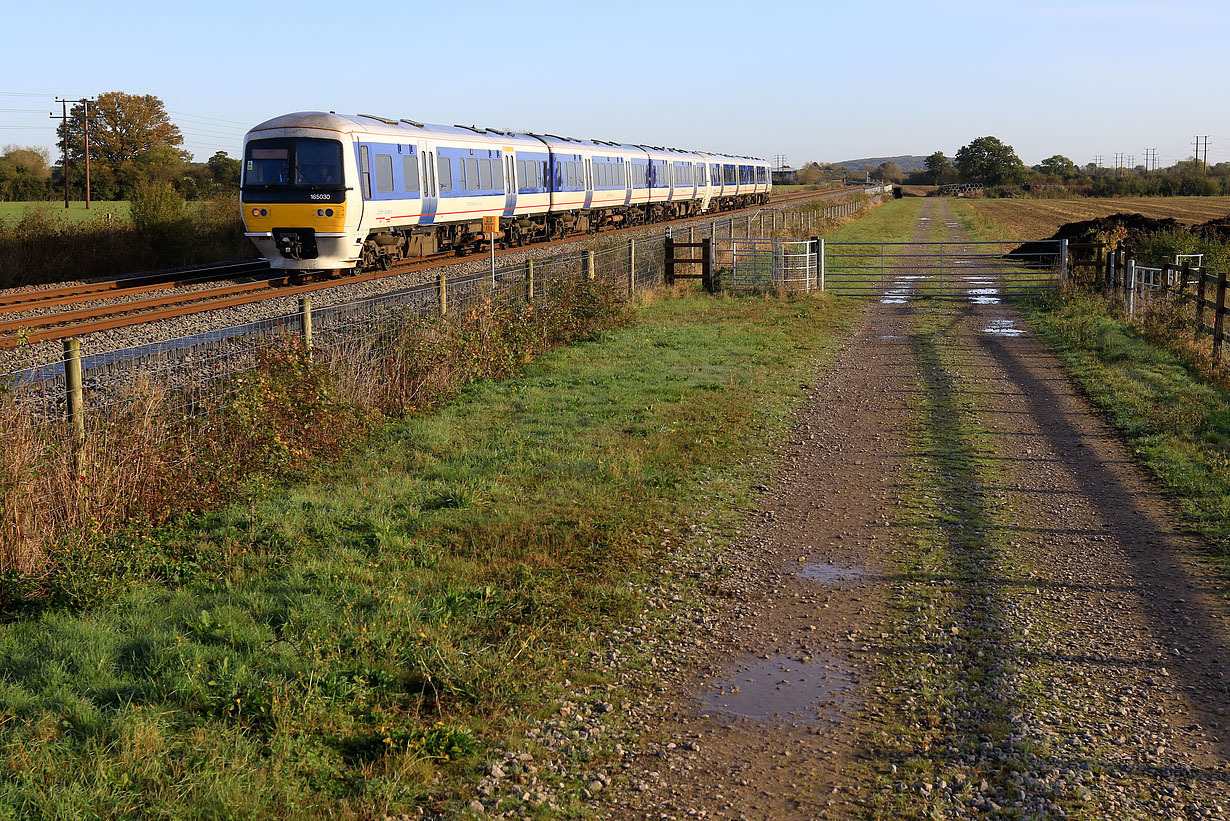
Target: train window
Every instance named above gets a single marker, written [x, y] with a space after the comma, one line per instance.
[471, 171]
[497, 175]
[444, 174]
[521, 173]
[410, 173]
[384, 173]
[484, 174]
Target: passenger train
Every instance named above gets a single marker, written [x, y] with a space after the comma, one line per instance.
[326, 191]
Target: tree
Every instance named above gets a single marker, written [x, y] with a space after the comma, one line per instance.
[889, 171]
[24, 172]
[1057, 166]
[225, 169]
[940, 168]
[132, 141]
[988, 161]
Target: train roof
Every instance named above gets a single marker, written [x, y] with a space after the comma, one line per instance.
[412, 129]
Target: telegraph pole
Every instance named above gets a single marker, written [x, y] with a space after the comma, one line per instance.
[64, 117]
[1206, 151]
[86, 120]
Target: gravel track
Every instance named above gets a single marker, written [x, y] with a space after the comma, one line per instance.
[1026, 632]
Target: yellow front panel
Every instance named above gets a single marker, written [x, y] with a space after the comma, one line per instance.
[294, 215]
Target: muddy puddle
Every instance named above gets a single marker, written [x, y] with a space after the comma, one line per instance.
[827, 573]
[781, 689]
[1003, 327]
[984, 296]
[891, 336]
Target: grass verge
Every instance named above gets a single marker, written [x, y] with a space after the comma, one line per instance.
[372, 635]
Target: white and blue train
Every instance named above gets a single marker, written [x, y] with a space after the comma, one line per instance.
[325, 191]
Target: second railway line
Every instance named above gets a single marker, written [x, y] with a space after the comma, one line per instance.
[185, 303]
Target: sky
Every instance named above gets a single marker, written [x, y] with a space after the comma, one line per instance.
[822, 81]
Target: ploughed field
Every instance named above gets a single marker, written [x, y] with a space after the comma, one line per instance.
[1031, 219]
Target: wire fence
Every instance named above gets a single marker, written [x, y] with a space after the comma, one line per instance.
[102, 412]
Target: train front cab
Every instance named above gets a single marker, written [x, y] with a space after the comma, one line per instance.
[293, 199]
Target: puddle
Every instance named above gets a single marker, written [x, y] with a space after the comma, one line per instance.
[896, 296]
[1004, 327]
[780, 689]
[828, 573]
[984, 296]
[906, 277]
[891, 336]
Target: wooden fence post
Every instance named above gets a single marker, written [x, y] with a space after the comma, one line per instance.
[1129, 282]
[305, 323]
[529, 281]
[1063, 264]
[1201, 293]
[669, 266]
[442, 291]
[1219, 318]
[706, 265]
[589, 266]
[74, 393]
[631, 267]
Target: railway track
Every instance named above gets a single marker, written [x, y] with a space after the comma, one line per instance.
[87, 320]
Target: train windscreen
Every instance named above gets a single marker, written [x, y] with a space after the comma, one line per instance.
[290, 163]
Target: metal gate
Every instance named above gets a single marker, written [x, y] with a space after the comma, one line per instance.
[982, 272]
[765, 264]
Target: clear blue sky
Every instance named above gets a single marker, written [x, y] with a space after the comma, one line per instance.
[821, 81]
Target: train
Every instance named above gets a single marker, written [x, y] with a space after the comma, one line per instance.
[325, 191]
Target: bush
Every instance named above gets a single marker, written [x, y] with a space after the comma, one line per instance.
[160, 214]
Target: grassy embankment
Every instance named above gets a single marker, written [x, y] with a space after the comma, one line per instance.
[357, 644]
[1176, 418]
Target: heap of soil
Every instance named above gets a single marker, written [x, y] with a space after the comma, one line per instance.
[1118, 228]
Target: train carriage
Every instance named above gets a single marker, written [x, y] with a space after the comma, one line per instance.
[327, 191]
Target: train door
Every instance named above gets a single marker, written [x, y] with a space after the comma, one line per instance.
[510, 183]
[589, 181]
[430, 194]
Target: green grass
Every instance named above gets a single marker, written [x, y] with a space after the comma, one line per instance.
[76, 212]
[1176, 421]
[400, 618]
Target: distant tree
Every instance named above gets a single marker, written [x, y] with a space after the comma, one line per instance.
[1057, 166]
[24, 172]
[889, 172]
[225, 169]
[939, 168]
[809, 174]
[990, 162]
[132, 141]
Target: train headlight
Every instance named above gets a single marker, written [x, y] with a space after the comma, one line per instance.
[256, 212]
[320, 212]
[328, 212]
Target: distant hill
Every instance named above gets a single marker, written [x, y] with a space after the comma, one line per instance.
[907, 163]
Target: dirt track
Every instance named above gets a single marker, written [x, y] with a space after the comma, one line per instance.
[961, 597]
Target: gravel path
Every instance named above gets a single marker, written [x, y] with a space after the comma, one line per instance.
[960, 597]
